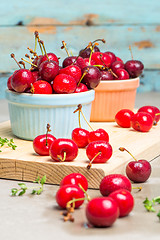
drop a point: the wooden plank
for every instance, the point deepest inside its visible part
(24, 164)
(79, 12)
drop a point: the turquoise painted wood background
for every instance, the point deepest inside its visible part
(120, 22)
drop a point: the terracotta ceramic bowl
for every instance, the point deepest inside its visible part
(30, 113)
(112, 96)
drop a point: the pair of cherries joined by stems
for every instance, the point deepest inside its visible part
(142, 121)
(97, 145)
(116, 200)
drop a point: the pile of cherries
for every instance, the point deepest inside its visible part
(115, 200)
(96, 142)
(142, 120)
(77, 73)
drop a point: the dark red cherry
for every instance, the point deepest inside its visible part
(48, 70)
(92, 77)
(86, 53)
(43, 58)
(112, 56)
(134, 68)
(116, 65)
(106, 75)
(79, 61)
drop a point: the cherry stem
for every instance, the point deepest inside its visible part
(79, 118)
(36, 39)
(31, 59)
(79, 108)
(85, 72)
(33, 52)
(157, 114)
(29, 62)
(13, 56)
(92, 49)
(110, 70)
(48, 130)
(130, 49)
(139, 188)
(21, 62)
(90, 164)
(124, 149)
(88, 197)
(60, 157)
(44, 49)
(64, 46)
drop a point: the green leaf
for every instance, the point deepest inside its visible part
(39, 191)
(23, 186)
(149, 205)
(43, 180)
(37, 180)
(22, 192)
(33, 191)
(14, 191)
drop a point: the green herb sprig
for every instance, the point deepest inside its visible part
(150, 205)
(23, 188)
(8, 142)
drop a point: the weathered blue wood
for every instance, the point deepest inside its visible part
(145, 42)
(78, 12)
(149, 82)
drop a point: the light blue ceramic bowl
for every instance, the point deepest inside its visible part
(30, 113)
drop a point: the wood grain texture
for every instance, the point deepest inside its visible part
(24, 164)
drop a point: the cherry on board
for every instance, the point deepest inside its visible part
(75, 179)
(142, 121)
(123, 118)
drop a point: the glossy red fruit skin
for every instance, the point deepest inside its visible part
(134, 68)
(41, 87)
(123, 118)
(72, 70)
(92, 62)
(81, 88)
(124, 200)
(102, 211)
(142, 122)
(101, 59)
(119, 59)
(68, 192)
(152, 110)
(39, 144)
(64, 84)
(106, 75)
(99, 134)
(95, 147)
(117, 65)
(122, 74)
(79, 61)
(138, 171)
(9, 83)
(75, 179)
(61, 145)
(86, 53)
(80, 137)
(112, 56)
(22, 80)
(113, 182)
(48, 70)
(43, 58)
(35, 75)
(92, 77)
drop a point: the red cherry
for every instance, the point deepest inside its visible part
(9, 86)
(124, 200)
(99, 151)
(22, 80)
(42, 143)
(64, 83)
(113, 182)
(122, 74)
(43, 58)
(119, 59)
(152, 110)
(48, 70)
(106, 75)
(81, 88)
(123, 118)
(72, 70)
(86, 53)
(35, 75)
(142, 122)
(92, 77)
(102, 211)
(41, 87)
(99, 134)
(63, 149)
(117, 65)
(112, 56)
(80, 137)
(79, 61)
(88, 62)
(137, 171)
(67, 193)
(134, 68)
(101, 59)
(75, 179)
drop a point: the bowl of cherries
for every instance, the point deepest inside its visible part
(48, 93)
(118, 85)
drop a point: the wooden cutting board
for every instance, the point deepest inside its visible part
(25, 165)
